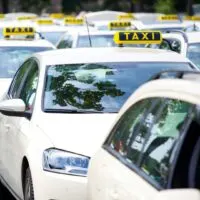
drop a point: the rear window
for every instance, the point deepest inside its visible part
(12, 57)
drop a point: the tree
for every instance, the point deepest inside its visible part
(5, 6)
(189, 7)
(165, 6)
(35, 6)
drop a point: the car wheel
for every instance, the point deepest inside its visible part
(28, 189)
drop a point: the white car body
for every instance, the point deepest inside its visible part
(23, 141)
(164, 26)
(111, 177)
(75, 35)
(103, 15)
(185, 40)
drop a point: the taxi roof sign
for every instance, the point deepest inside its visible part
(73, 21)
(2, 16)
(44, 21)
(128, 16)
(119, 24)
(168, 18)
(138, 37)
(57, 15)
(18, 31)
(192, 18)
(26, 18)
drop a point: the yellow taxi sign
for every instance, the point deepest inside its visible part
(14, 31)
(73, 21)
(168, 18)
(26, 18)
(2, 16)
(44, 21)
(57, 15)
(128, 16)
(119, 24)
(192, 18)
(138, 37)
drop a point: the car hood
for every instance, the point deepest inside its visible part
(78, 133)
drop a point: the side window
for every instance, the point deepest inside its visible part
(29, 87)
(18, 79)
(156, 158)
(168, 44)
(146, 136)
(133, 127)
(66, 42)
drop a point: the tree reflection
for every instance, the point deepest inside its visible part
(68, 89)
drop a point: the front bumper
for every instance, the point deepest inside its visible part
(54, 186)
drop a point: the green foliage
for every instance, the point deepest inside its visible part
(165, 6)
(34, 5)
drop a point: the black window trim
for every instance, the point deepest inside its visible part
(9, 96)
(34, 61)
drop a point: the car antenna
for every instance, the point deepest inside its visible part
(89, 37)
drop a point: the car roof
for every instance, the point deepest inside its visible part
(193, 37)
(185, 90)
(51, 28)
(16, 23)
(83, 32)
(124, 54)
(31, 43)
(103, 15)
(164, 25)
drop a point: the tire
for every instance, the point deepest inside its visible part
(28, 186)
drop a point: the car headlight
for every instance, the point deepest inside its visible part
(59, 161)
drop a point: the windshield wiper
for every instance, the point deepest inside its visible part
(49, 110)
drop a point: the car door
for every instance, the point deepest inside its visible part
(4, 129)
(16, 139)
(136, 159)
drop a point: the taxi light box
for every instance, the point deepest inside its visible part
(138, 37)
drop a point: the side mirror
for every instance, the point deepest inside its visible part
(13, 107)
(174, 194)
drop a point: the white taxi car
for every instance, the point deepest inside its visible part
(15, 48)
(166, 23)
(78, 39)
(52, 33)
(187, 44)
(153, 149)
(59, 108)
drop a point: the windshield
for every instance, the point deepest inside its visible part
(99, 87)
(167, 44)
(12, 57)
(193, 53)
(52, 37)
(99, 41)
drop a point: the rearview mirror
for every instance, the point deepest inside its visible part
(176, 194)
(13, 107)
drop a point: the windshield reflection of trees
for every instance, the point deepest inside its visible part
(66, 93)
